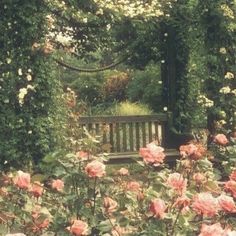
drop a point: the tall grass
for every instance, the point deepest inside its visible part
(129, 108)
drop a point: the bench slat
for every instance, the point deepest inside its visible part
(124, 137)
(131, 137)
(117, 130)
(137, 140)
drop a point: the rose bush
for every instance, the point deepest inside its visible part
(84, 196)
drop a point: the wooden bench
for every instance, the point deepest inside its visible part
(122, 136)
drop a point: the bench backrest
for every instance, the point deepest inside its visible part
(127, 133)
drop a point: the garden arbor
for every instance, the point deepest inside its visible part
(194, 41)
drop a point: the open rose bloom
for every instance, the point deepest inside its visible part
(193, 151)
(221, 139)
(205, 204)
(78, 228)
(58, 184)
(36, 189)
(157, 208)
(95, 169)
(22, 180)
(152, 154)
(177, 182)
(212, 230)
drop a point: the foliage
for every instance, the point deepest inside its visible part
(218, 26)
(30, 92)
(114, 88)
(146, 87)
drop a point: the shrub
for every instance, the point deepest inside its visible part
(114, 88)
(146, 87)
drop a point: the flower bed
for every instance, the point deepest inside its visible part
(75, 196)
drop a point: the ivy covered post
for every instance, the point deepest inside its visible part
(175, 54)
(29, 89)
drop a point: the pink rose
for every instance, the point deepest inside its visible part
(158, 208)
(212, 230)
(22, 180)
(82, 155)
(226, 203)
(205, 204)
(182, 202)
(133, 186)
(187, 150)
(199, 178)
(123, 171)
(193, 151)
(152, 154)
(58, 185)
(95, 169)
(177, 183)
(231, 187)
(109, 204)
(221, 139)
(78, 228)
(233, 175)
(36, 189)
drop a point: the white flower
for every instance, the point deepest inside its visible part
(225, 90)
(165, 109)
(233, 91)
(21, 95)
(108, 27)
(204, 101)
(222, 122)
(20, 72)
(8, 60)
(30, 87)
(222, 50)
(28, 77)
(229, 75)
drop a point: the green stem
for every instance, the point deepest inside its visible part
(176, 220)
(94, 195)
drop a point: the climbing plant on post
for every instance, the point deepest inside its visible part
(175, 54)
(218, 21)
(28, 84)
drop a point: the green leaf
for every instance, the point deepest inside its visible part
(3, 229)
(105, 226)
